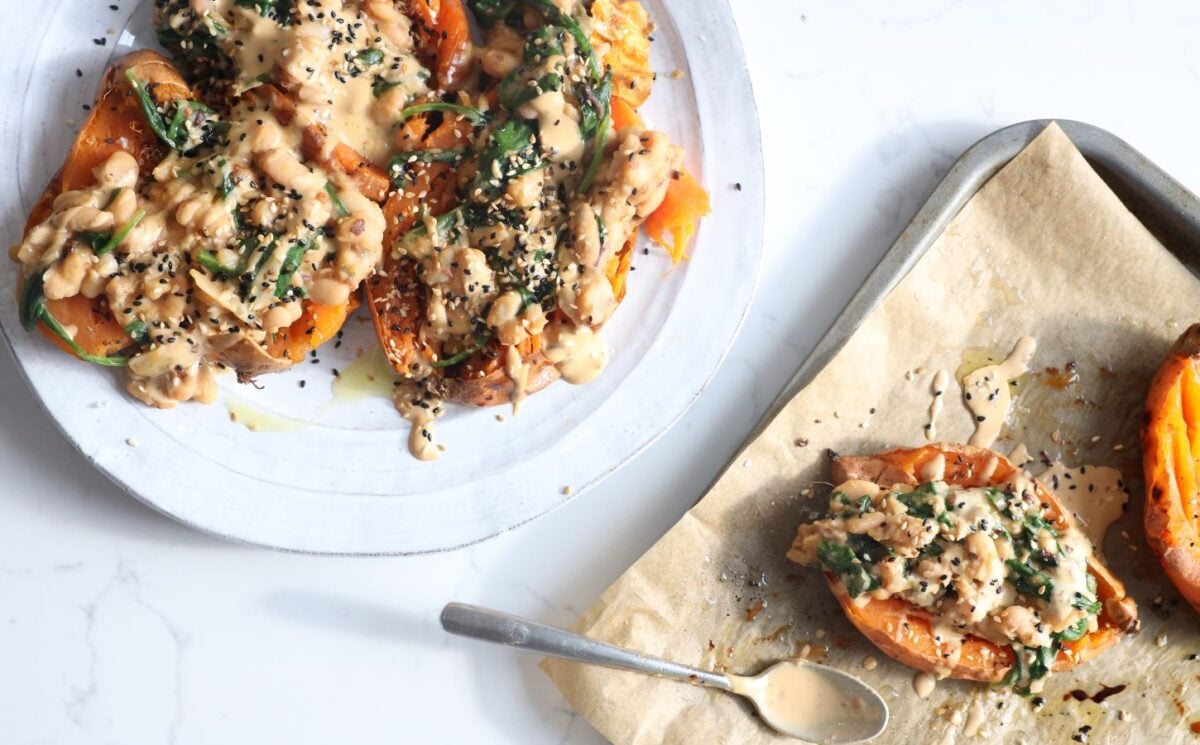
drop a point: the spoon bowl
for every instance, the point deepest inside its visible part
(814, 702)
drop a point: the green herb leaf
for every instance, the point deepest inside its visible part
(475, 116)
(138, 332)
(33, 301)
(251, 245)
(1028, 580)
(920, 502)
(511, 153)
(840, 504)
(226, 178)
(999, 501)
(291, 263)
(150, 110)
(32, 309)
(400, 164)
(381, 86)
(931, 550)
(93, 239)
(121, 235)
(1043, 661)
(209, 261)
(1091, 606)
(339, 207)
(597, 155)
(519, 89)
(369, 57)
(265, 8)
(867, 549)
(839, 559)
(463, 355)
(489, 12)
(593, 105)
(582, 43)
(1072, 633)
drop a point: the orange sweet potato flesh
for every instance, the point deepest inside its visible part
(624, 114)
(622, 29)
(367, 177)
(393, 295)
(674, 223)
(443, 34)
(115, 123)
(904, 632)
(317, 325)
(1170, 458)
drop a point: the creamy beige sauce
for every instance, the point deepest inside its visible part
(988, 396)
(318, 59)
(422, 410)
(1095, 495)
(799, 701)
(937, 388)
(923, 684)
(558, 128)
(934, 469)
(579, 354)
(1020, 456)
(518, 371)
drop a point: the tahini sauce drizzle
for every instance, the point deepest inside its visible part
(580, 354)
(923, 684)
(518, 371)
(934, 469)
(421, 412)
(1096, 495)
(941, 381)
(986, 392)
(1020, 456)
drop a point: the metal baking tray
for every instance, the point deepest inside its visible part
(1162, 204)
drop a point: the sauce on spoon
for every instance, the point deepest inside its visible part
(803, 700)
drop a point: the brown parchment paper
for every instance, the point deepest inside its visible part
(1044, 249)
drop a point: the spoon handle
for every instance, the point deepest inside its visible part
(513, 631)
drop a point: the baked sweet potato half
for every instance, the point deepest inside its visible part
(548, 173)
(1171, 454)
(116, 123)
(897, 495)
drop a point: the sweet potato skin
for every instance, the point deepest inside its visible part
(1170, 451)
(904, 633)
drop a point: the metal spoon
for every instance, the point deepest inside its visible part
(797, 698)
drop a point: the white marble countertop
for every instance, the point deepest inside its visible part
(117, 625)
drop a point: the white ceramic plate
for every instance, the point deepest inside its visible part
(332, 476)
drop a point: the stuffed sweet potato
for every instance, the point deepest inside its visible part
(953, 561)
(226, 224)
(1170, 452)
(518, 199)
